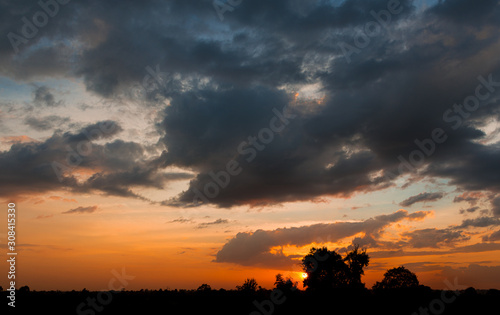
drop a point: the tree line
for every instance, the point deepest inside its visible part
(327, 270)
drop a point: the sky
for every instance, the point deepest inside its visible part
(189, 142)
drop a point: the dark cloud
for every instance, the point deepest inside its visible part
(115, 167)
(46, 123)
(480, 222)
(337, 148)
(255, 248)
(101, 130)
(434, 238)
(463, 11)
(476, 248)
(181, 220)
(422, 197)
(469, 210)
(495, 203)
(419, 215)
(79, 210)
(470, 197)
(208, 224)
(42, 96)
(223, 78)
(493, 237)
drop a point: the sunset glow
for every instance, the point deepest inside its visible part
(183, 146)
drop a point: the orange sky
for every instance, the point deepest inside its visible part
(292, 126)
(58, 251)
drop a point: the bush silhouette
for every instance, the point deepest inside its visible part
(397, 278)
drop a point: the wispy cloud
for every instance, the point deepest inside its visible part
(42, 96)
(483, 221)
(469, 210)
(44, 216)
(59, 198)
(208, 224)
(434, 238)
(471, 197)
(181, 220)
(81, 210)
(422, 197)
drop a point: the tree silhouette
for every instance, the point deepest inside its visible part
(397, 278)
(204, 287)
(327, 269)
(250, 285)
(24, 289)
(356, 260)
(285, 285)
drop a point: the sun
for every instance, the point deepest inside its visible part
(304, 275)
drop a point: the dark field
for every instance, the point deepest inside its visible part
(401, 302)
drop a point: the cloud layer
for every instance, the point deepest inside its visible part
(112, 168)
(402, 102)
(254, 248)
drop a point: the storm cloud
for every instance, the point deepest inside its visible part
(115, 166)
(369, 117)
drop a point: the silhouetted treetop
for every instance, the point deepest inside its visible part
(327, 269)
(24, 289)
(397, 278)
(204, 287)
(285, 284)
(250, 285)
(356, 260)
